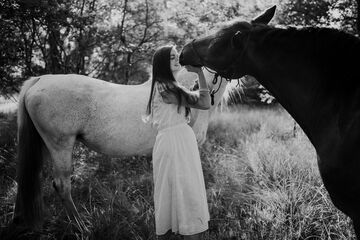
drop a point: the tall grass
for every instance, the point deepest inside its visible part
(265, 182)
(261, 178)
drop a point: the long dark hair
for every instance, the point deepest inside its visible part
(161, 72)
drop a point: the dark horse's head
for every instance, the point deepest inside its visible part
(223, 50)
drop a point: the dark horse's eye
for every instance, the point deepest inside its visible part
(237, 33)
(235, 38)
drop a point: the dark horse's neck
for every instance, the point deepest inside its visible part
(311, 74)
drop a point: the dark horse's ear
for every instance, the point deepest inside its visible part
(265, 17)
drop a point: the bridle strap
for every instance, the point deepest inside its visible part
(202, 62)
(216, 75)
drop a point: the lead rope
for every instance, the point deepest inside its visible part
(214, 81)
(213, 91)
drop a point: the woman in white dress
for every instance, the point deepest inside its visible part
(179, 190)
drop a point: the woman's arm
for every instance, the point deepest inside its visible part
(199, 99)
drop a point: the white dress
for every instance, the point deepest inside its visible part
(179, 190)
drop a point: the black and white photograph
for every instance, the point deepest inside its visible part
(179, 120)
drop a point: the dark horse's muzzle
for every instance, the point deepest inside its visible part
(189, 56)
(181, 59)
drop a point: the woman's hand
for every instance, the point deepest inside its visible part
(166, 94)
(193, 69)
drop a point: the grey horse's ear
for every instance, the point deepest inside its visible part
(235, 38)
(265, 17)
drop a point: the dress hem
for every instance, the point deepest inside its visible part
(199, 230)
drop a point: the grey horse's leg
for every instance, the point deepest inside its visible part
(62, 170)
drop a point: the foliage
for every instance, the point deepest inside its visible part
(115, 40)
(128, 34)
(36, 34)
(325, 13)
(85, 37)
(304, 13)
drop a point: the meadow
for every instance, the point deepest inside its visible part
(261, 178)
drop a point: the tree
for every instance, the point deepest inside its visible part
(186, 20)
(343, 16)
(35, 37)
(326, 13)
(129, 31)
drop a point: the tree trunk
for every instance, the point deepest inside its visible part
(28, 56)
(54, 54)
(80, 68)
(358, 17)
(28, 47)
(128, 67)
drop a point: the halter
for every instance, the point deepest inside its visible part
(216, 74)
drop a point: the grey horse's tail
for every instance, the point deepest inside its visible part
(29, 204)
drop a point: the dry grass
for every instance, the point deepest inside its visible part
(261, 178)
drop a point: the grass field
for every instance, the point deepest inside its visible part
(261, 178)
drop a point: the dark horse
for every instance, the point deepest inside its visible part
(311, 73)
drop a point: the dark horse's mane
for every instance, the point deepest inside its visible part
(330, 50)
(323, 38)
(319, 40)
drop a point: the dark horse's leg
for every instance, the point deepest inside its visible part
(344, 193)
